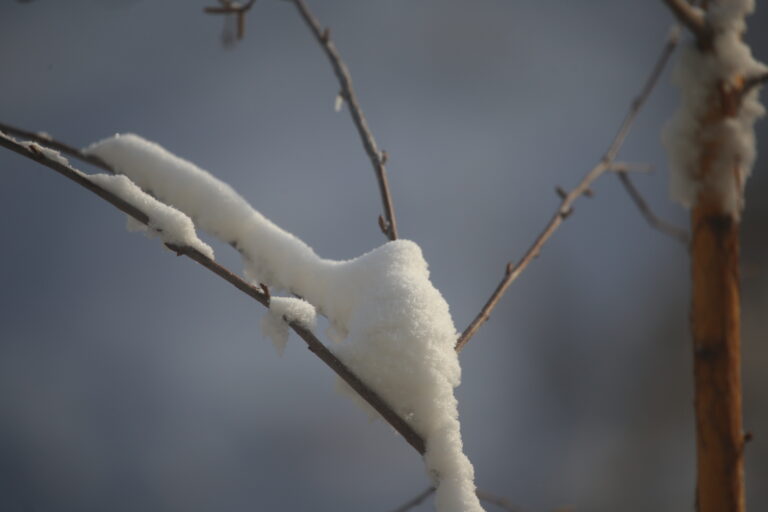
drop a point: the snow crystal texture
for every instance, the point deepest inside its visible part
(172, 226)
(393, 328)
(283, 311)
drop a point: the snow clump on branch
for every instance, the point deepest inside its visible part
(392, 327)
(710, 140)
(171, 225)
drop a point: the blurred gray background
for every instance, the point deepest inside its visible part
(132, 380)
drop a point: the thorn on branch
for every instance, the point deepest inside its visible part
(383, 157)
(326, 35)
(561, 193)
(589, 192)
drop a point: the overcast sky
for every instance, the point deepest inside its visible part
(132, 380)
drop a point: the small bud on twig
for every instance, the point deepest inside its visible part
(383, 225)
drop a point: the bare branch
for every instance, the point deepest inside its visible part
(314, 344)
(46, 140)
(347, 93)
(692, 18)
(679, 234)
(566, 204)
(499, 501)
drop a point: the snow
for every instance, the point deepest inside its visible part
(699, 74)
(172, 226)
(50, 153)
(391, 325)
(282, 311)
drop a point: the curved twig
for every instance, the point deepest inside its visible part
(314, 344)
(679, 234)
(566, 205)
(378, 158)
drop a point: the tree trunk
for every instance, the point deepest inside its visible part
(716, 348)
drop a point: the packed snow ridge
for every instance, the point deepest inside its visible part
(392, 327)
(701, 74)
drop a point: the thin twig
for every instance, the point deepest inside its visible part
(229, 7)
(314, 344)
(499, 501)
(679, 234)
(752, 82)
(46, 140)
(566, 205)
(377, 157)
(416, 500)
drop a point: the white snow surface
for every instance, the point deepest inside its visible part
(50, 153)
(392, 327)
(698, 74)
(171, 225)
(282, 311)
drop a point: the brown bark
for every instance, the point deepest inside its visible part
(715, 322)
(716, 349)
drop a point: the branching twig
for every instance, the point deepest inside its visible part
(566, 204)
(314, 344)
(665, 227)
(46, 140)
(230, 7)
(378, 158)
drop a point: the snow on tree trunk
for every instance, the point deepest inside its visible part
(711, 146)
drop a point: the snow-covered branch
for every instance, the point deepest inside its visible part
(392, 326)
(692, 17)
(49, 159)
